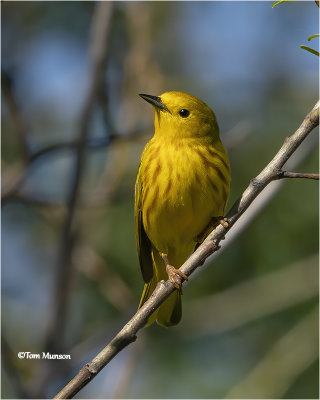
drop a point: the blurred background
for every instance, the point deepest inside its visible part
(73, 128)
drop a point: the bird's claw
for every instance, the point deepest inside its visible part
(176, 276)
(224, 222)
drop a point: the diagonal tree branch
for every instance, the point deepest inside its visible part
(128, 333)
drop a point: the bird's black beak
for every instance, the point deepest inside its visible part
(154, 100)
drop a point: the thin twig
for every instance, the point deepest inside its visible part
(268, 194)
(92, 143)
(128, 333)
(288, 174)
(13, 190)
(16, 115)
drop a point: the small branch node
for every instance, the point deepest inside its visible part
(286, 139)
(280, 174)
(214, 244)
(90, 369)
(161, 284)
(256, 183)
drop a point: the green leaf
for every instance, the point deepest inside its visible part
(310, 50)
(312, 37)
(280, 2)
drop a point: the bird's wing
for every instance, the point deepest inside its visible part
(144, 246)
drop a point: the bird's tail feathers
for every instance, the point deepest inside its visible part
(170, 311)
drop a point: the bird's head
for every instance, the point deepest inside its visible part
(179, 114)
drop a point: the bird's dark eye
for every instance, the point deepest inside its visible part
(184, 113)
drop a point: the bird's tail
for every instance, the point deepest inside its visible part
(170, 311)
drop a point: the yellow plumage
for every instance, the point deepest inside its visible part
(182, 184)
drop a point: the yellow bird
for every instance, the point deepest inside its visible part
(181, 192)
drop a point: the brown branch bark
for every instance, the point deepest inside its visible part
(128, 333)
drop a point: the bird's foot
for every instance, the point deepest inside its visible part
(175, 275)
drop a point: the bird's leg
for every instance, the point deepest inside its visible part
(174, 274)
(214, 222)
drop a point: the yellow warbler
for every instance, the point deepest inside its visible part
(182, 188)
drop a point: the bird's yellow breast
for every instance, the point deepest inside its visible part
(185, 183)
